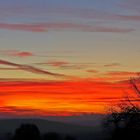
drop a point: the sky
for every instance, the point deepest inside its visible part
(67, 57)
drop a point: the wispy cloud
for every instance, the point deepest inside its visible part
(101, 14)
(16, 53)
(123, 73)
(24, 54)
(120, 17)
(127, 17)
(130, 5)
(113, 76)
(92, 71)
(63, 26)
(9, 68)
(66, 65)
(116, 76)
(23, 27)
(18, 111)
(57, 63)
(30, 68)
(112, 65)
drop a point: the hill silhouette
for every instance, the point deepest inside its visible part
(45, 126)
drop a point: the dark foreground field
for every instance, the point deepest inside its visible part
(48, 128)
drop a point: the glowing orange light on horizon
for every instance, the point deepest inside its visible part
(59, 98)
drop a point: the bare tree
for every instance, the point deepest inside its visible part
(125, 117)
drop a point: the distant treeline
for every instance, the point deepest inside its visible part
(31, 132)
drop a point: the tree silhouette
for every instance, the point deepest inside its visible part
(68, 137)
(27, 132)
(52, 136)
(125, 118)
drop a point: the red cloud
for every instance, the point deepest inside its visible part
(62, 26)
(23, 54)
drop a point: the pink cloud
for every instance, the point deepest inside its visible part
(24, 27)
(128, 17)
(131, 5)
(108, 16)
(57, 63)
(16, 53)
(96, 14)
(108, 29)
(23, 54)
(69, 12)
(86, 28)
(66, 65)
(75, 66)
(63, 26)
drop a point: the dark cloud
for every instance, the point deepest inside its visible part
(30, 69)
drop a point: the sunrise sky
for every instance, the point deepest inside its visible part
(67, 57)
